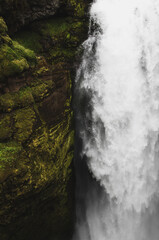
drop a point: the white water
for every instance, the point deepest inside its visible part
(121, 129)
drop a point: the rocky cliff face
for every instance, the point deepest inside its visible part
(37, 66)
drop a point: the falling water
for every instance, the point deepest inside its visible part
(118, 96)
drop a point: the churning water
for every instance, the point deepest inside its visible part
(118, 96)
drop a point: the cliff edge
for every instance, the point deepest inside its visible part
(39, 42)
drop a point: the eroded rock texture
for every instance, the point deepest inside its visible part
(18, 13)
(37, 67)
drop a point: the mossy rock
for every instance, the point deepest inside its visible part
(6, 129)
(24, 122)
(11, 68)
(3, 26)
(55, 37)
(29, 39)
(11, 101)
(55, 26)
(77, 8)
(26, 53)
(36, 151)
(15, 59)
(4, 38)
(42, 91)
(62, 54)
(9, 153)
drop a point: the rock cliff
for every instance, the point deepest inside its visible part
(39, 41)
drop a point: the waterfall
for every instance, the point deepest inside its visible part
(117, 93)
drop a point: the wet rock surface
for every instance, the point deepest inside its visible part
(37, 67)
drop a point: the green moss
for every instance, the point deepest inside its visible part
(10, 62)
(55, 26)
(26, 53)
(78, 7)
(41, 91)
(24, 97)
(6, 40)
(61, 31)
(63, 140)
(24, 122)
(80, 10)
(6, 102)
(30, 40)
(15, 59)
(3, 26)
(40, 153)
(8, 153)
(11, 101)
(6, 129)
(42, 70)
(68, 162)
(16, 66)
(78, 25)
(52, 149)
(61, 53)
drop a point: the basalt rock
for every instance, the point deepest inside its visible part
(37, 66)
(18, 13)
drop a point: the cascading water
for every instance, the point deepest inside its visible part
(118, 96)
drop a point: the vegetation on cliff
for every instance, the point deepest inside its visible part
(14, 58)
(36, 120)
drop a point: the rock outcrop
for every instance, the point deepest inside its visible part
(18, 13)
(37, 67)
